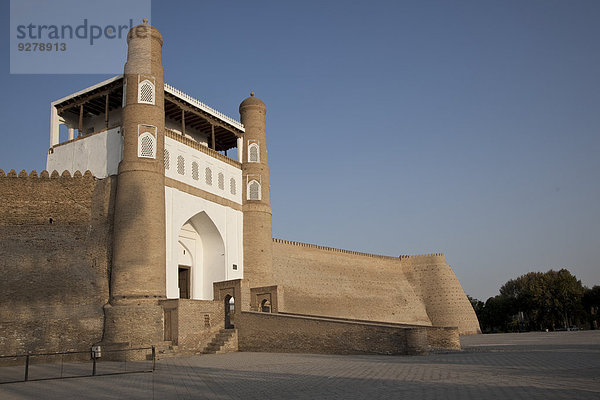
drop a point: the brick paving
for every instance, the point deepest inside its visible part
(563, 365)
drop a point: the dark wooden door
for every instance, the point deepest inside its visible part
(184, 283)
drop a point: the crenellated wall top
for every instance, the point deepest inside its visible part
(356, 253)
(45, 174)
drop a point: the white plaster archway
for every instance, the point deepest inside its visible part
(186, 255)
(212, 235)
(204, 254)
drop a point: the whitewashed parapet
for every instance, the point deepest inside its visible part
(191, 165)
(100, 152)
(186, 97)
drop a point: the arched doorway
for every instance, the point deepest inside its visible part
(200, 259)
(265, 306)
(186, 263)
(229, 311)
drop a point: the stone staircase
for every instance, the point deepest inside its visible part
(166, 349)
(225, 341)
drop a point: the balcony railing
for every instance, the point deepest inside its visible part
(203, 106)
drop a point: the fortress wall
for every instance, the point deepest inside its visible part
(443, 338)
(436, 284)
(55, 275)
(330, 282)
(295, 334)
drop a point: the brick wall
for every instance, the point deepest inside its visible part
(294, 334)
(195, 322)
(55, 241)
(436, 284)
(320, 281)
(409, 289)
(443, 338)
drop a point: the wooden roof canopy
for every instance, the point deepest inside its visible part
(95, 102)
(225, 134)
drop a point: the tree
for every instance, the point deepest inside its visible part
(591, 305)
(494, 315)
(545, 300)
(498, 314)
(563, 299)
(477, 305)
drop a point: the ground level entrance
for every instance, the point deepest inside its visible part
(184, 282)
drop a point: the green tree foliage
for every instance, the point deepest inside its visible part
(591, 305)
(538, 301)
(498, 312)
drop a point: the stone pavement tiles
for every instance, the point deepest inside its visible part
(560, 365)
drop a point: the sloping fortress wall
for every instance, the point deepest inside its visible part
(55, 257)
(421, 290)
(440, 291)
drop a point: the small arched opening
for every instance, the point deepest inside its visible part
(229, 311)
(254, 192)
(265, 306)
(253, 153)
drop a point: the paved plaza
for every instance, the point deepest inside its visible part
(561, 365)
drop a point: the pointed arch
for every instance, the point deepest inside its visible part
(146, 145)
(254, 190)
(186, 255)
(253, 153)
(204, 255)
(146, 92)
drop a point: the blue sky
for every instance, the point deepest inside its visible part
(470, 128)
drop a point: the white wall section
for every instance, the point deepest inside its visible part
(99, 153)
(190, 155)
(212, 233)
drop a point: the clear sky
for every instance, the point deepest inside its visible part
(470, 128)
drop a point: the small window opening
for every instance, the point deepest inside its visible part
(146, 146)
(146, 92)
(208, 176)
(265, 306)
(195, 174)
(180, 165)
(253, 153)
(253, 190)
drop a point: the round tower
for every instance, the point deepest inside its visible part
(256, 195)
(134, 315)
